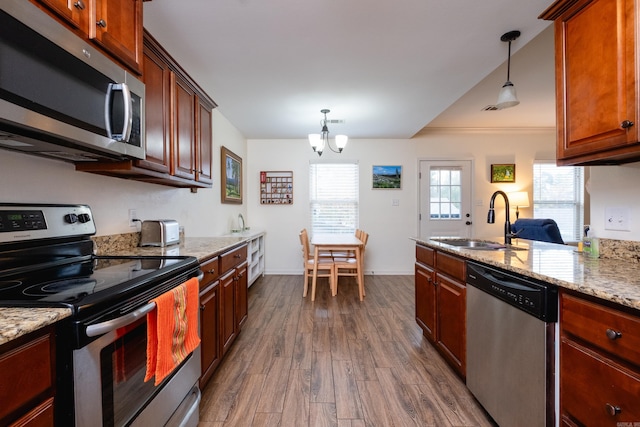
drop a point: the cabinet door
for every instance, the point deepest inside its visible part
(242, 306)
(117, 27)
(228, 328)
(73, 12)
(209, 331)
(204, 171)
(184, 117)
(451, 321)
(426, 301)
(157, 81)
(596, 96)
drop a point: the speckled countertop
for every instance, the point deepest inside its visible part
(16, 322)
(614, 277)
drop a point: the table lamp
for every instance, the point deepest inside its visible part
(519, 199)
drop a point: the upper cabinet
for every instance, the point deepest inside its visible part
(178, 127)
(114, 25)
(596, 81)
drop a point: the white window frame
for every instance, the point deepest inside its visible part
(569, 213)
(334, 197)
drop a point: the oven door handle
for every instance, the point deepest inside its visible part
(112, 325)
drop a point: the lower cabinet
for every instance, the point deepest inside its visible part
(223, 306)
(599, 363)
(27, 379)
(441, 303)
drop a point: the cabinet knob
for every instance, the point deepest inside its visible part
(626, 124)
(79, 4)
(202, 307)
(613, 335)
(212, 271)
(102, 23)
(613, 410)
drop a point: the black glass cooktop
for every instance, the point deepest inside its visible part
(98, 280)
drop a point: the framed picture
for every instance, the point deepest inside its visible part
(231, 182)
(387, 177)
(503, 173)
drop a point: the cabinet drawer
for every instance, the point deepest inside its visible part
(211, 271)
(590, 387)
(452, 266)
(26, 374)
(425, 255)
(232, 258)
(599, 326)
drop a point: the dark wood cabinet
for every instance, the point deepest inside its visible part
(116, 25)
(599, 362)
(441, 303)
(223, 306)
(178, 128)
(596, 100)
(113, 25)
(27, 380)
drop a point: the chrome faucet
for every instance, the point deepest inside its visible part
(491, 217)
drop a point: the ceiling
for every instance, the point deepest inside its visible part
(387, 68)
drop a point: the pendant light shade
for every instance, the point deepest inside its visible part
(319, 141)
(507, 96)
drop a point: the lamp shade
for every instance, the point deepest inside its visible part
(507, 96)
(519, 199)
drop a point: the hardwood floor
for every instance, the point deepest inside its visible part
(335, 362)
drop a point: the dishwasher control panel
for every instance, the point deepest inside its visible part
(536, 298)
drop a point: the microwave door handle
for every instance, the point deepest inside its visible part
(112, 325)
(128, 111)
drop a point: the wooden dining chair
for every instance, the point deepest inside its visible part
(348, 266)
(325, 267)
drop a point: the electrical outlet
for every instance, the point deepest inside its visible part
(132, 215)
(616, 218)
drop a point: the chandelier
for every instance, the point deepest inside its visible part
(320, 140)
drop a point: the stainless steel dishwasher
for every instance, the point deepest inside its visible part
(510, 346)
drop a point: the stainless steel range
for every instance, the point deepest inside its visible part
(47, 260)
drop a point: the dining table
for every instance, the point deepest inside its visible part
(325, 242)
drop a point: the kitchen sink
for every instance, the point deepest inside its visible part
(482, 245)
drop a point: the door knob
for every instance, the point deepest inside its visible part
(468, 223)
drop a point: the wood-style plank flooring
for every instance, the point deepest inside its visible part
(335, 362)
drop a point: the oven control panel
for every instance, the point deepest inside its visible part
(22, 222)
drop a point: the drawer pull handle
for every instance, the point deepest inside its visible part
(211, 271)
(626, 124)
(613, 410)
(613, 335)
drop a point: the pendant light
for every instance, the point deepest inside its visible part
(507, 96)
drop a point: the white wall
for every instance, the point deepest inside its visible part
(25, 178)
(389, 250)
(615, 186)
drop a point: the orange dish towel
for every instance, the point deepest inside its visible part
(172, 330)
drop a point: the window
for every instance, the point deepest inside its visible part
(558, 193)
(445, 188)
(333, 194)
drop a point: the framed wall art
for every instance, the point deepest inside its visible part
(276, 188)
(231, 180)
(387, 177)
(503, 173)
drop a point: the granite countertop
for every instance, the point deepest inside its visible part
(616, 280)
(202, 248)
(16, 322)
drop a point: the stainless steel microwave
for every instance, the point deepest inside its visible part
(59, 96)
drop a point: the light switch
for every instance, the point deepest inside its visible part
(617, 218)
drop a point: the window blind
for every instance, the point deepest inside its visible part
(558, 193)
(334, 197)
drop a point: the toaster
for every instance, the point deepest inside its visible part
(161, 232)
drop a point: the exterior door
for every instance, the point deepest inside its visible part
(445, 198)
